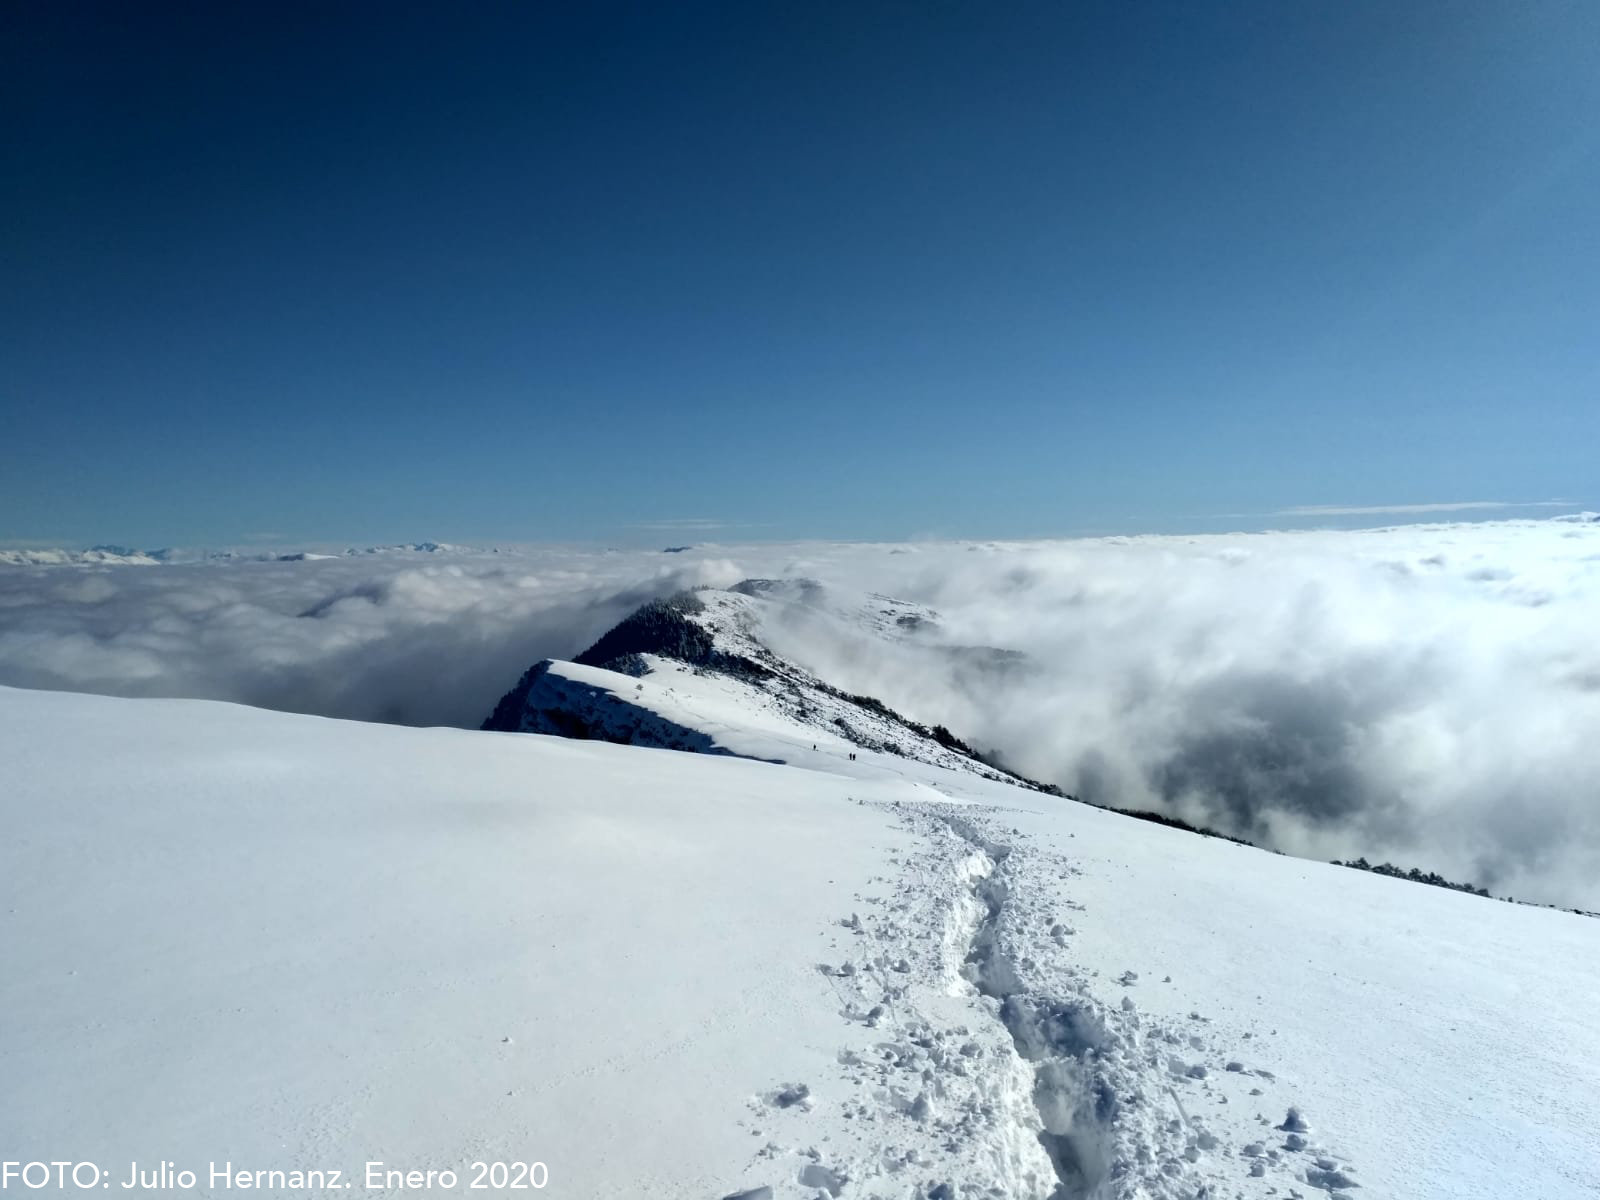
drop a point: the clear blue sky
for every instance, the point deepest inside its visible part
(842, 270)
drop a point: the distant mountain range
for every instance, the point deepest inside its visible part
(125, 556)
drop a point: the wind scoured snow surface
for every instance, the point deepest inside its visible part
(288, 941)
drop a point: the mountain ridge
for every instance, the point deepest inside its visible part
(707, 635)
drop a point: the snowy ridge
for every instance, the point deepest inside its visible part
(567, 700)
(98, 556)
(692, 672)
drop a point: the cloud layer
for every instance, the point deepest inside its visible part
(1429, 694)
(414, 640)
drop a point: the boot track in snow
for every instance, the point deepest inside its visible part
(1061, 1040)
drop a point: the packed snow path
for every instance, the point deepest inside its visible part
(986, 1065)
(280, 941)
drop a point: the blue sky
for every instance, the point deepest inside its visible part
(862, 271)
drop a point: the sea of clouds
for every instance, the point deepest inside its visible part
(409, 639)
(1425, 694)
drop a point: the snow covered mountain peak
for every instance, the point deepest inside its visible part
(693, 671)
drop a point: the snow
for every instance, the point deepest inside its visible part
(279, 940)
(785, 714)
(1442, 1043)
(115, 556)
(285, 941)
(52, 557)
(676, 706)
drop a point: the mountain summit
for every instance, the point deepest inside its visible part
(694, 672)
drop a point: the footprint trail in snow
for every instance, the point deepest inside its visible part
(980, 1061)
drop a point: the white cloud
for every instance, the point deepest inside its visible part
(1428, 694)
(404, 639)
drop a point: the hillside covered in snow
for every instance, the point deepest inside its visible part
(692, 672)
(288, 942)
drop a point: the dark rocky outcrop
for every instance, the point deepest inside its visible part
(507, 714)
(666, 628)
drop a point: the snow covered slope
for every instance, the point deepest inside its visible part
(285, 942)
(693, 672)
